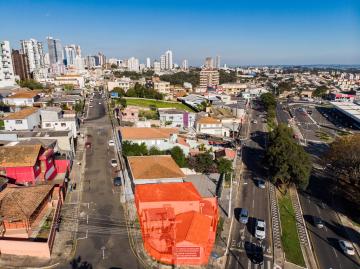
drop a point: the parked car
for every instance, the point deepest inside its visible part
(318, 222)
(117, 181)
(244, 216)
(113, 162)
(260, 229)
(111, 143)
(261, 183)
(347, 247)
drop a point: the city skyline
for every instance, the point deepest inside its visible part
(241, 33)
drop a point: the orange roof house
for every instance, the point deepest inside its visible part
(144, 133)
(154, 169)
(178, 226)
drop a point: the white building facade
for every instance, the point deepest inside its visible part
(7, 76)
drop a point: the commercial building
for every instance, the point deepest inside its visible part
(185, 65)
(209, 63)
(178, 226)
(168, 60)
(21, 64)
(76, 80)
(148, 63)
(7, 76)
(209, 78)
(217, 62)
(350, 109)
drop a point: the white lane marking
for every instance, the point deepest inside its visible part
(318, 210)
(249, 265)
(268, 264)
(335, 252)
(253, 203)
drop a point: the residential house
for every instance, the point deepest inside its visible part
(130, 113)
(177, 118)
(162, 87)
(178, 226)
(25, 119)
(232, 88)
(53, 118)
(22, 98)
(70, 79)
(211, 126)
(124, 83)
(23, 212)
(154, 169)
(65, 144)
(162, 138)
(27, 164)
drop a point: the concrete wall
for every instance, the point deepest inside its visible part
(22, 247)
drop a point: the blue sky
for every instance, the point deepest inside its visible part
(241, 32)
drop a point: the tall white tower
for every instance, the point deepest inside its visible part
(168, 60)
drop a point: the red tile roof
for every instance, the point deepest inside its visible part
(167, 192)
(18, 156)
(144, 133)
(154, 167)
(193, 227)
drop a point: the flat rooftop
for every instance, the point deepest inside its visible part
(349, 108)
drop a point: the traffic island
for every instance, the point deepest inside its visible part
(289, 237)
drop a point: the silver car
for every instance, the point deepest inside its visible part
(244, 216)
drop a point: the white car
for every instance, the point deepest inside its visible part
(90, 105)
(111, 143)
(113, 162)
(260, 229)
(347, 247)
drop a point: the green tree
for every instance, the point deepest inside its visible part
(31, 84)
(79, 106)
(203, 163)
(68, 87)
(119, 90)
(320, 91)
(178, 155)
(134, 149)
(155, 151)
(179, 78)
(227, 76)
(113, 66)
(287, 161)
(225, 168)
(268, 100)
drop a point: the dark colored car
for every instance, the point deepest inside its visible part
(117, 181)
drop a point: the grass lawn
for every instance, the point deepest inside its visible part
(159, 104)
(289, 237)
(2, 125)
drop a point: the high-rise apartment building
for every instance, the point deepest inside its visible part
(168, 60)
(157, 67)
(209, 78)
(209, 63)
(162, 62)
(217, 62)
(133, 64)
(20, 64)
(148, 62)
(102, 59)
(7, 77)
(185, 65)
(34, 53)
(70, 54)
(55, 51)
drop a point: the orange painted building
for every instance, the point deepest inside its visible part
(177, 224)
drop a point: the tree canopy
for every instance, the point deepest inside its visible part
(287, 161)
(179, 78)
(320, 91)
(178, 155)
(143, 92)
(227, 76)
(31, 84)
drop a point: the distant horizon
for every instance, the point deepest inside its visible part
(279, 32)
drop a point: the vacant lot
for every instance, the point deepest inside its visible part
(289, 237)
(159, 104)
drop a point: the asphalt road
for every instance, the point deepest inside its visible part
(102, 236)
(316, 201)
(254, 199)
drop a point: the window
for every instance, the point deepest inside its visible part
(18, 121)
(63, 124)
(47, 125)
